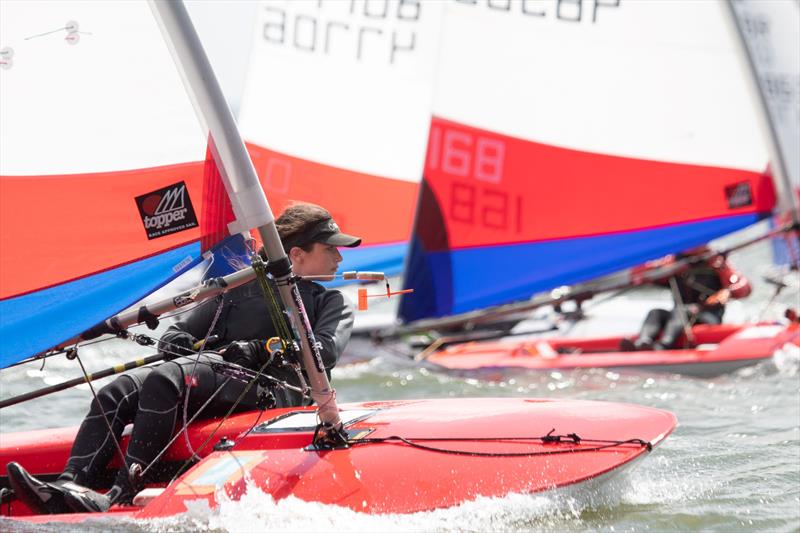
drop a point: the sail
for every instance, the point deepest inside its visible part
(107, 185)
(560, 151)
(770, 31)
(336, 111)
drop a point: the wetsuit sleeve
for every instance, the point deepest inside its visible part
(738, 285)
(195, 322)
(333, 325)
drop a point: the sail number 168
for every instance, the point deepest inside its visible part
(479, 199)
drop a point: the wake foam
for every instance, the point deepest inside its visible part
(553, 510)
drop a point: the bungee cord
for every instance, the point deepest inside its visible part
(571, 438)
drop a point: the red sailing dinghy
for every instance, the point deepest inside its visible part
(388, 457)
(529, 187)
(719, 349)
(404, 457)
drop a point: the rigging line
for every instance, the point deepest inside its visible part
(178, 434)
(273, 307)
(54, 353)
(222, 421)
(549, 438)
(244, 375)
(46, 33)
(246, 433)
(194, 369)
(682, 311)
(280, 326)
(413, 444)
(102, 410)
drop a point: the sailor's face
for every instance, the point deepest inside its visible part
(322, 259)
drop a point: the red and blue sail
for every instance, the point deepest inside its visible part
(558, 152)
(107, 189)
(490, 230)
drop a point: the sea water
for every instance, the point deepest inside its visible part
(733, 462)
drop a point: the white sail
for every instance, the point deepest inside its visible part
(64, 114)
(657, 80)
(770, 30)
(574, 139)
(336, 109)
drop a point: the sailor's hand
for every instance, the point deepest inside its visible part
(176, 344)
(720, 297)
(251, 354)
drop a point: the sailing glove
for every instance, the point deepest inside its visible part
(176, 344)
(250, 354)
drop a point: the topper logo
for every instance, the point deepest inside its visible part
(739, 195)
(166, 210)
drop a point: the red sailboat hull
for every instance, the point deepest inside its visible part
(445, 459)
(718, 349)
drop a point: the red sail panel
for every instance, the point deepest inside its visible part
(217, 212)
(84, 223)
(379, 210)
(495, 189)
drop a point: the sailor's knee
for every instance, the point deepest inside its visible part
(163, 382)
(114, 393)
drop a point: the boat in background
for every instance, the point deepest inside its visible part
(374, 457)
(543, 186)
(716, 350)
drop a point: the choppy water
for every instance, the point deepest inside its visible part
(733, 463)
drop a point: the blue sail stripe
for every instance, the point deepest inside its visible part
(457, 281)
(37, 321)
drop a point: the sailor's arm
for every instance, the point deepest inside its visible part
(734, 284)
(180, 337)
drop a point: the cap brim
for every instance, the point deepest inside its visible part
(342, 239)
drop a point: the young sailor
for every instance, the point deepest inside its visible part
(153, 398)
(704, 288)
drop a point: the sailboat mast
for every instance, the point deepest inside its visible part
(241, 182)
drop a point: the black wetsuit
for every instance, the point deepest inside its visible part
(695, 285)
(153, 397)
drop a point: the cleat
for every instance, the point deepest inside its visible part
(40, 497)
